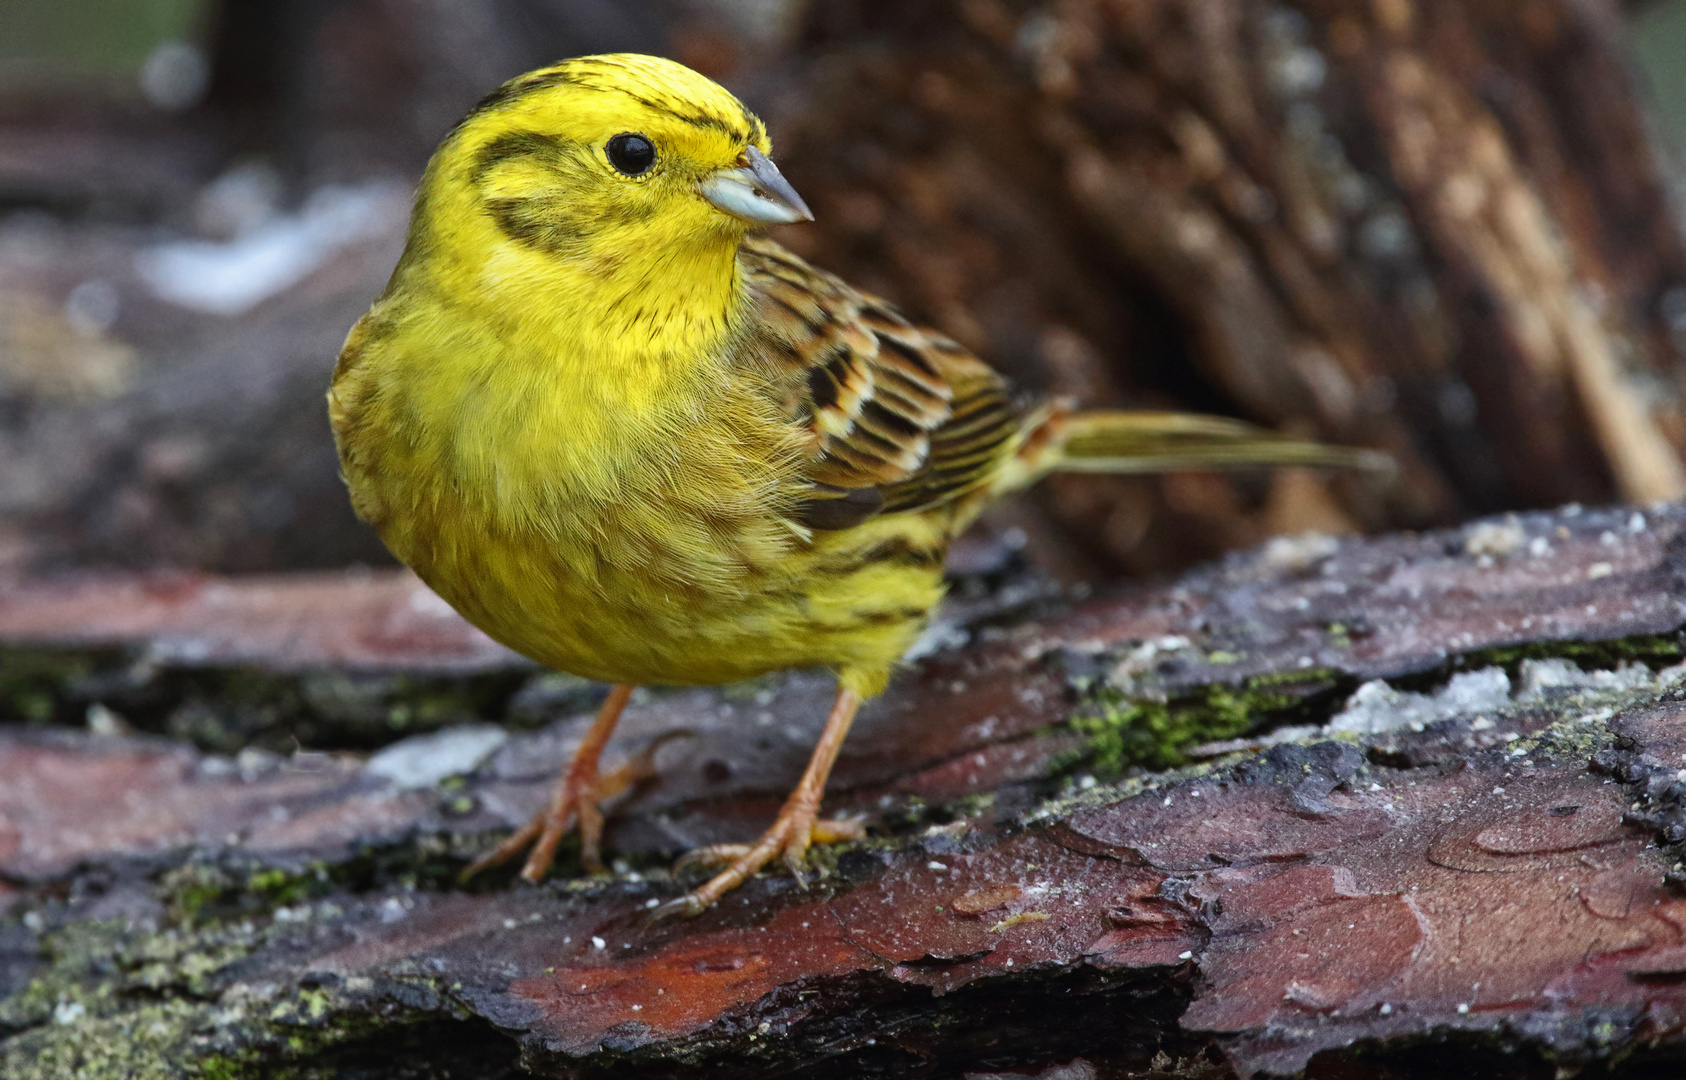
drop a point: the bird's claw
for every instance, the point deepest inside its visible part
(709, 855)
(789, 839)
(685, 905)
(583, 794)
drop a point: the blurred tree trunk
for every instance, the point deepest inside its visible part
(1436, 226)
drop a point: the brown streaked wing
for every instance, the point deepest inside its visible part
(902, 418)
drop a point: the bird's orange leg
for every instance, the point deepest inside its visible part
(578, 791)
(793, 830)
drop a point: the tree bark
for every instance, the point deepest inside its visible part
(1433, 226)
(1430, 225)
(1395, 807)
(1363, 808)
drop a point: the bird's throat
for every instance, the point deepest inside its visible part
(595, 366)
(623, 329)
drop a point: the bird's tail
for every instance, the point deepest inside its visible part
(1116, 441)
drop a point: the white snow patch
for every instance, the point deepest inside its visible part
(66, 1013)
(1538, 676)
(1496, 538)
(230, 277)
(1376, 707)
(424, 760)
(1299, 552)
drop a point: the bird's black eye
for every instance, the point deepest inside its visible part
(631, 154)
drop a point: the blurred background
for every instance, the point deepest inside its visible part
(1448, 228)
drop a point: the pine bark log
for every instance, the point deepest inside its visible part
(1433, 226)
(1390, 808)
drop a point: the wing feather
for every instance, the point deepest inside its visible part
(901, 418)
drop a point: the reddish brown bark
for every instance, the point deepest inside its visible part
(1494, 875)
(1432, 226)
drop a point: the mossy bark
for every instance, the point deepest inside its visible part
(1307, 809)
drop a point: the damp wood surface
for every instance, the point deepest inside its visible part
(1358, 807)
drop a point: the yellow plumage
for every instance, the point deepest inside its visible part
(633, 442)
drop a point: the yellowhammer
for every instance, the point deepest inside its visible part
(627, 439)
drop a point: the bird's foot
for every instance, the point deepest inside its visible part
(578, 799)
(794, 831)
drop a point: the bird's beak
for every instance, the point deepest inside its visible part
(756, 192)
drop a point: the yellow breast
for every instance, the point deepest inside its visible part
(642, 545)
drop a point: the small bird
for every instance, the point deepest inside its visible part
(632, 440)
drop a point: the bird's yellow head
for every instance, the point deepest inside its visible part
(603, 162)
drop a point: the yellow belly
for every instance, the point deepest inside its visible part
(617, 541)
(853, 601)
